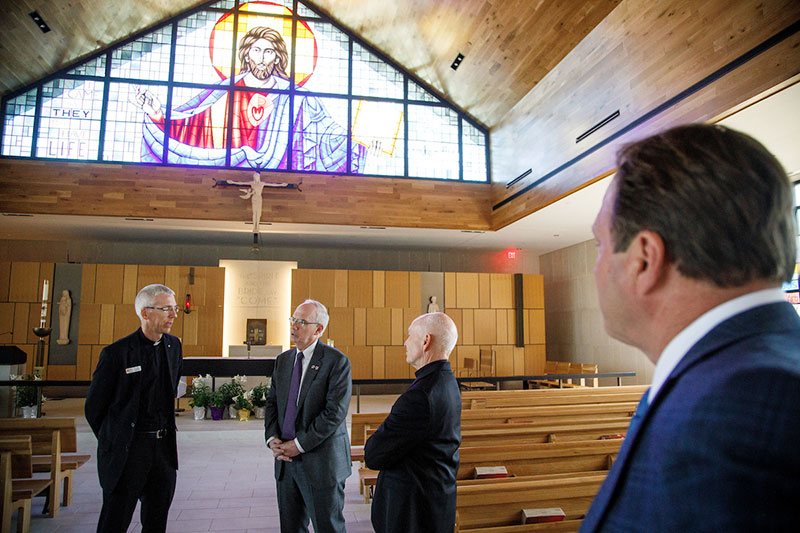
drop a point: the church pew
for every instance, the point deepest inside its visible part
(476, 418)
(540, 397)
(62, 464)
(481, 506)
(17, 488)
(528, 435)
(565, 526)
(501, 504)
(537, 459)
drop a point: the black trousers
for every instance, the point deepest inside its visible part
(149, 477)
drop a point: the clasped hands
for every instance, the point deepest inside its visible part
(284, 451)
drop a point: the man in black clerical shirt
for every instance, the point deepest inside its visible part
(129, 407)
(416, 447)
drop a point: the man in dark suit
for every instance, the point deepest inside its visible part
(305, 426)
(416, 447)
(130, 409)
(695, 235)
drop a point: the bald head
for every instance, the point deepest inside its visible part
(431, 337)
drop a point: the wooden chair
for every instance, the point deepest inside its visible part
(18, 489)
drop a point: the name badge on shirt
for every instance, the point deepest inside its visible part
(133, 369)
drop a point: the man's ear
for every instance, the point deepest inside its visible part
(426, 342)
(648, 260)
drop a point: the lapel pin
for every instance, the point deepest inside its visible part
(315, 367)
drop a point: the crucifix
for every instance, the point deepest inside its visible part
(253, 192)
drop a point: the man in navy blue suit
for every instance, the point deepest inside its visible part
(695, 235)
(416, 447)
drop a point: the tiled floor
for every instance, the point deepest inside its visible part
(225, 481)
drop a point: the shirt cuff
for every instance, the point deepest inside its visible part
(297, 443)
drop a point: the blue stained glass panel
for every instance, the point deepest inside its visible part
(95, 67)
(18, 125)
(146, 58)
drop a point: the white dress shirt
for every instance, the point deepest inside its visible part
(680, 345)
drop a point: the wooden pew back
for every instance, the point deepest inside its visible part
(539, 459)
(542, 434)
(41, 431)
(501, 504)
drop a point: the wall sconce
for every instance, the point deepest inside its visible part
(187, 306)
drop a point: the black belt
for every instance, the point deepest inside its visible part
(157, 434)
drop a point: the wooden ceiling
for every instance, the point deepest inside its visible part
(509, 46)
(536, 72)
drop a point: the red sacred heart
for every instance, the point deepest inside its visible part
(257, 113)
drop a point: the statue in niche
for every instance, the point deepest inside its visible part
(64, 315)
(433, 307)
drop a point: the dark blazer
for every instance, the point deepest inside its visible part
(112, 404)
(323, 401)
(416, 451)
(718, 449)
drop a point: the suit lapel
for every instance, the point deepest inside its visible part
(767, 318)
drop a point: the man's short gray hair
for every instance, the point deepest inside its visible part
(321, 315)
(147, 296)
(442, 330)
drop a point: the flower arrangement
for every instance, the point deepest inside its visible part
(259, 394)
(233, 389)
(25, 395)
(244, 401)
(200, 395)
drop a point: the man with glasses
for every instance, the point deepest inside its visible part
(305, 426)
(130, 410)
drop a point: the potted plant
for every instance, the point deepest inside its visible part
(25, 396)
(217, 404)
(230, 391)
(242, 404)
(200, 396)
(259, 398)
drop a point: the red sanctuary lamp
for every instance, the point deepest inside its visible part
(187, 306)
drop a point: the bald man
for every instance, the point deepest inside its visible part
(416, 447)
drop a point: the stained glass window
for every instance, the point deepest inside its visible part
(18, 125)
(330, 64)
(70, 124)
(259, 84)
(378, 128)
(145, 58)
(432, 142)
(123, 133)
(374, 77)
(95, 67)
(204, 48)
(473, 143)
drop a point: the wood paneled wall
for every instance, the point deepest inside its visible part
(164, 192)
(370, 311)
(107, 308)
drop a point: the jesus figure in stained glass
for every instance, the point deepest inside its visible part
(261, 120)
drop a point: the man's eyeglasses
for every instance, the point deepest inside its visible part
(302, 322)
(167, 308)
